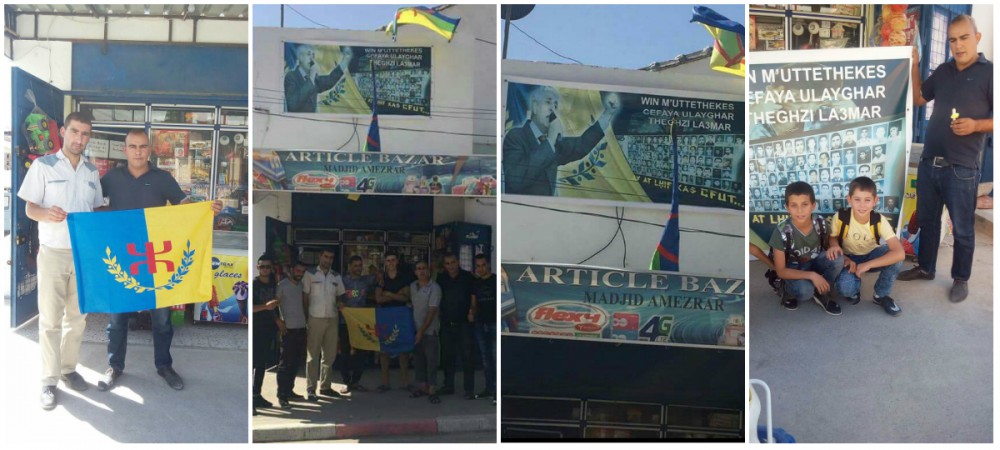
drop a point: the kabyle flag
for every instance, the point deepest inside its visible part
(389, 330)
(728, 54)
(373, 143)
(667, 253)
(141, 259)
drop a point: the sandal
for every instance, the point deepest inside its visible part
(417, 394)
(435, 399)
(383, 388)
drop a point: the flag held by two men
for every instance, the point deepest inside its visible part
(141, 259)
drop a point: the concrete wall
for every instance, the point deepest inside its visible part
(463, 77)
(984, 21)
(534, 234)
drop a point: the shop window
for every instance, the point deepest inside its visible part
(812, 33)
(772, 7)
(187, 156)
(839, 10)
(117, 113)
(189, 115)
(231, 180)
(767, 33)
(234, 117)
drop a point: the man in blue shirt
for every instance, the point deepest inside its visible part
(949, 172)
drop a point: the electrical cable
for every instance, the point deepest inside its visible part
(543, 45)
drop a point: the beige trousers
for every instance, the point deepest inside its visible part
(321, 339)
(60, 324)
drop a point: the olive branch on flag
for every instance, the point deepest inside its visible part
(130, 283)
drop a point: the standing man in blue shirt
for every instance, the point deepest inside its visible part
(949, 171)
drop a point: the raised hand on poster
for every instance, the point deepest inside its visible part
(346, 54)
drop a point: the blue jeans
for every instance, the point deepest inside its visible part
(163, 333)
(803, 290)
(486, 338)
(954, 187)
(849, 284)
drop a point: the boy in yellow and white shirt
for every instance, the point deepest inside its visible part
(854, 235)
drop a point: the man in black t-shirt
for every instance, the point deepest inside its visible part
(486, 323)
(949, 169)
(265, 326)
(457, 314)
(393, 290)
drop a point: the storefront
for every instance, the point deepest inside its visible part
(330, 209)
(609, 354)
(190, 97)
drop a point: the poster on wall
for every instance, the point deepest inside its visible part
(576, 302)
(615, 146)
(374, 173)
(229, 291)
(337, 79)
(826, 117)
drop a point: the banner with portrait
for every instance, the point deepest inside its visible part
(556, 301)
(616, 146)
(337, 79)
(826, 117)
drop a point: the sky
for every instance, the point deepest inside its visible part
(621, 36)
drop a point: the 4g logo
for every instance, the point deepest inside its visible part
(367, 185)
(657, 329)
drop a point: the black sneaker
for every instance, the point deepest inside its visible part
(855, 299)
(888, 304)
(831, 307)
(283, 403)
(329, 393)
(790, 303)
(293, 396)
(311, 396)
(74, 381)
(959, 291)
(109, 379)
(172, 378)
(260, 402)
(48, 397)
(916, 273)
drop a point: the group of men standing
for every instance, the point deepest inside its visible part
(67, 182)
(305, 310)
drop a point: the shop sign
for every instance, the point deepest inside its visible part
(660, 308)
(374, 173)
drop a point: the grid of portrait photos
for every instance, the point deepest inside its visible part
(705, 160)
(828, 162)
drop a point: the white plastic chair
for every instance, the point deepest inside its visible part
(767, 409)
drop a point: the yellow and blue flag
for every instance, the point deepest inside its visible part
(389, 330)
(425, 17)
(140, 259)
(729, 55)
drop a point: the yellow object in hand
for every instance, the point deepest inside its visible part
(954, 114)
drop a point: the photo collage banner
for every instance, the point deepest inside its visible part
(826, 124)
(627, 156)
(337, 79)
